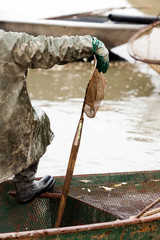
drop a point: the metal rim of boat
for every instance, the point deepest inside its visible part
(76, 229)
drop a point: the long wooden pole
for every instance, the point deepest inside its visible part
(72, 161)
(70, 169)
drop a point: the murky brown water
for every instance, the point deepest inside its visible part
(124, 135)
(69, 81)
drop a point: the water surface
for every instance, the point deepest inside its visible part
(124, 135)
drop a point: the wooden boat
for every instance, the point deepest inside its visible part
(110, 32)
(99, 206)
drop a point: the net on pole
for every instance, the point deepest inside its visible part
(144, 45)
(95, 93)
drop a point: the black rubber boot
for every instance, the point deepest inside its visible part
(27, 188)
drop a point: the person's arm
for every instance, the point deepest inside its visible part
(44, 52)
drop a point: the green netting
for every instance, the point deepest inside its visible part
(103, 197)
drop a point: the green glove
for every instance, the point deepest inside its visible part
(102, 55)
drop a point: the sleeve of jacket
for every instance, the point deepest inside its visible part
(45, 52)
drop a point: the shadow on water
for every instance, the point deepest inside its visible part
(124, 135)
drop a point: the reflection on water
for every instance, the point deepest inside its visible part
(124, 135)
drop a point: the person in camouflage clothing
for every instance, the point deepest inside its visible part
(24, 132)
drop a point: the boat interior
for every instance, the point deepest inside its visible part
(92, 199)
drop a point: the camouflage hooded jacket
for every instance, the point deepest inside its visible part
(24, 134)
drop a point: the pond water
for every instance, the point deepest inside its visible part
(124, 135)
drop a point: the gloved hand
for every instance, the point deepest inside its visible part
(102, 55)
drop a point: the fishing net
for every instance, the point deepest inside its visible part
(145, 45)
(93, 198)
(95, 92)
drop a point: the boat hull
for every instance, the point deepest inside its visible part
(110, 33)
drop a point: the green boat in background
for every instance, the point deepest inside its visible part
(99, 206)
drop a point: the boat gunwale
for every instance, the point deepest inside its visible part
(76, 229)
(112, 173)
(103, 174)
(78, 24)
